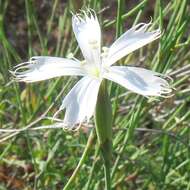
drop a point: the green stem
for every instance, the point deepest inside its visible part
(107, 176)
(106, 152)
(86, 151)
(103, 120)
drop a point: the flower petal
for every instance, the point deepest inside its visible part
(131, 40)
(139, 80)
(44, 67)
(80, 102)
(88, 34)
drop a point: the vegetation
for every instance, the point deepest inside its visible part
(151, 137)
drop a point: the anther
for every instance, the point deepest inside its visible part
(83, 62)
(70, 56)
(105, 52)
(92, 41)
(105, 49)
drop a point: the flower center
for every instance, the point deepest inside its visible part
(95, 68)
(95, 71)
(91, 69)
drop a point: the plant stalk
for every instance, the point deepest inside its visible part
(103, 120)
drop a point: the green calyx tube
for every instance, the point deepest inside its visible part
(103, 121)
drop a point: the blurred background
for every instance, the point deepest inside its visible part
(151, 137)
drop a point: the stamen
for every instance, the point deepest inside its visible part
(95, 46)
(83, 62)
(71, 56)
(92, 41)
(105, 49)
(105, 52)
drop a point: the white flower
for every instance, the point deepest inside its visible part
(80, 102)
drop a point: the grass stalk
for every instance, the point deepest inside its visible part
(81, 162)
